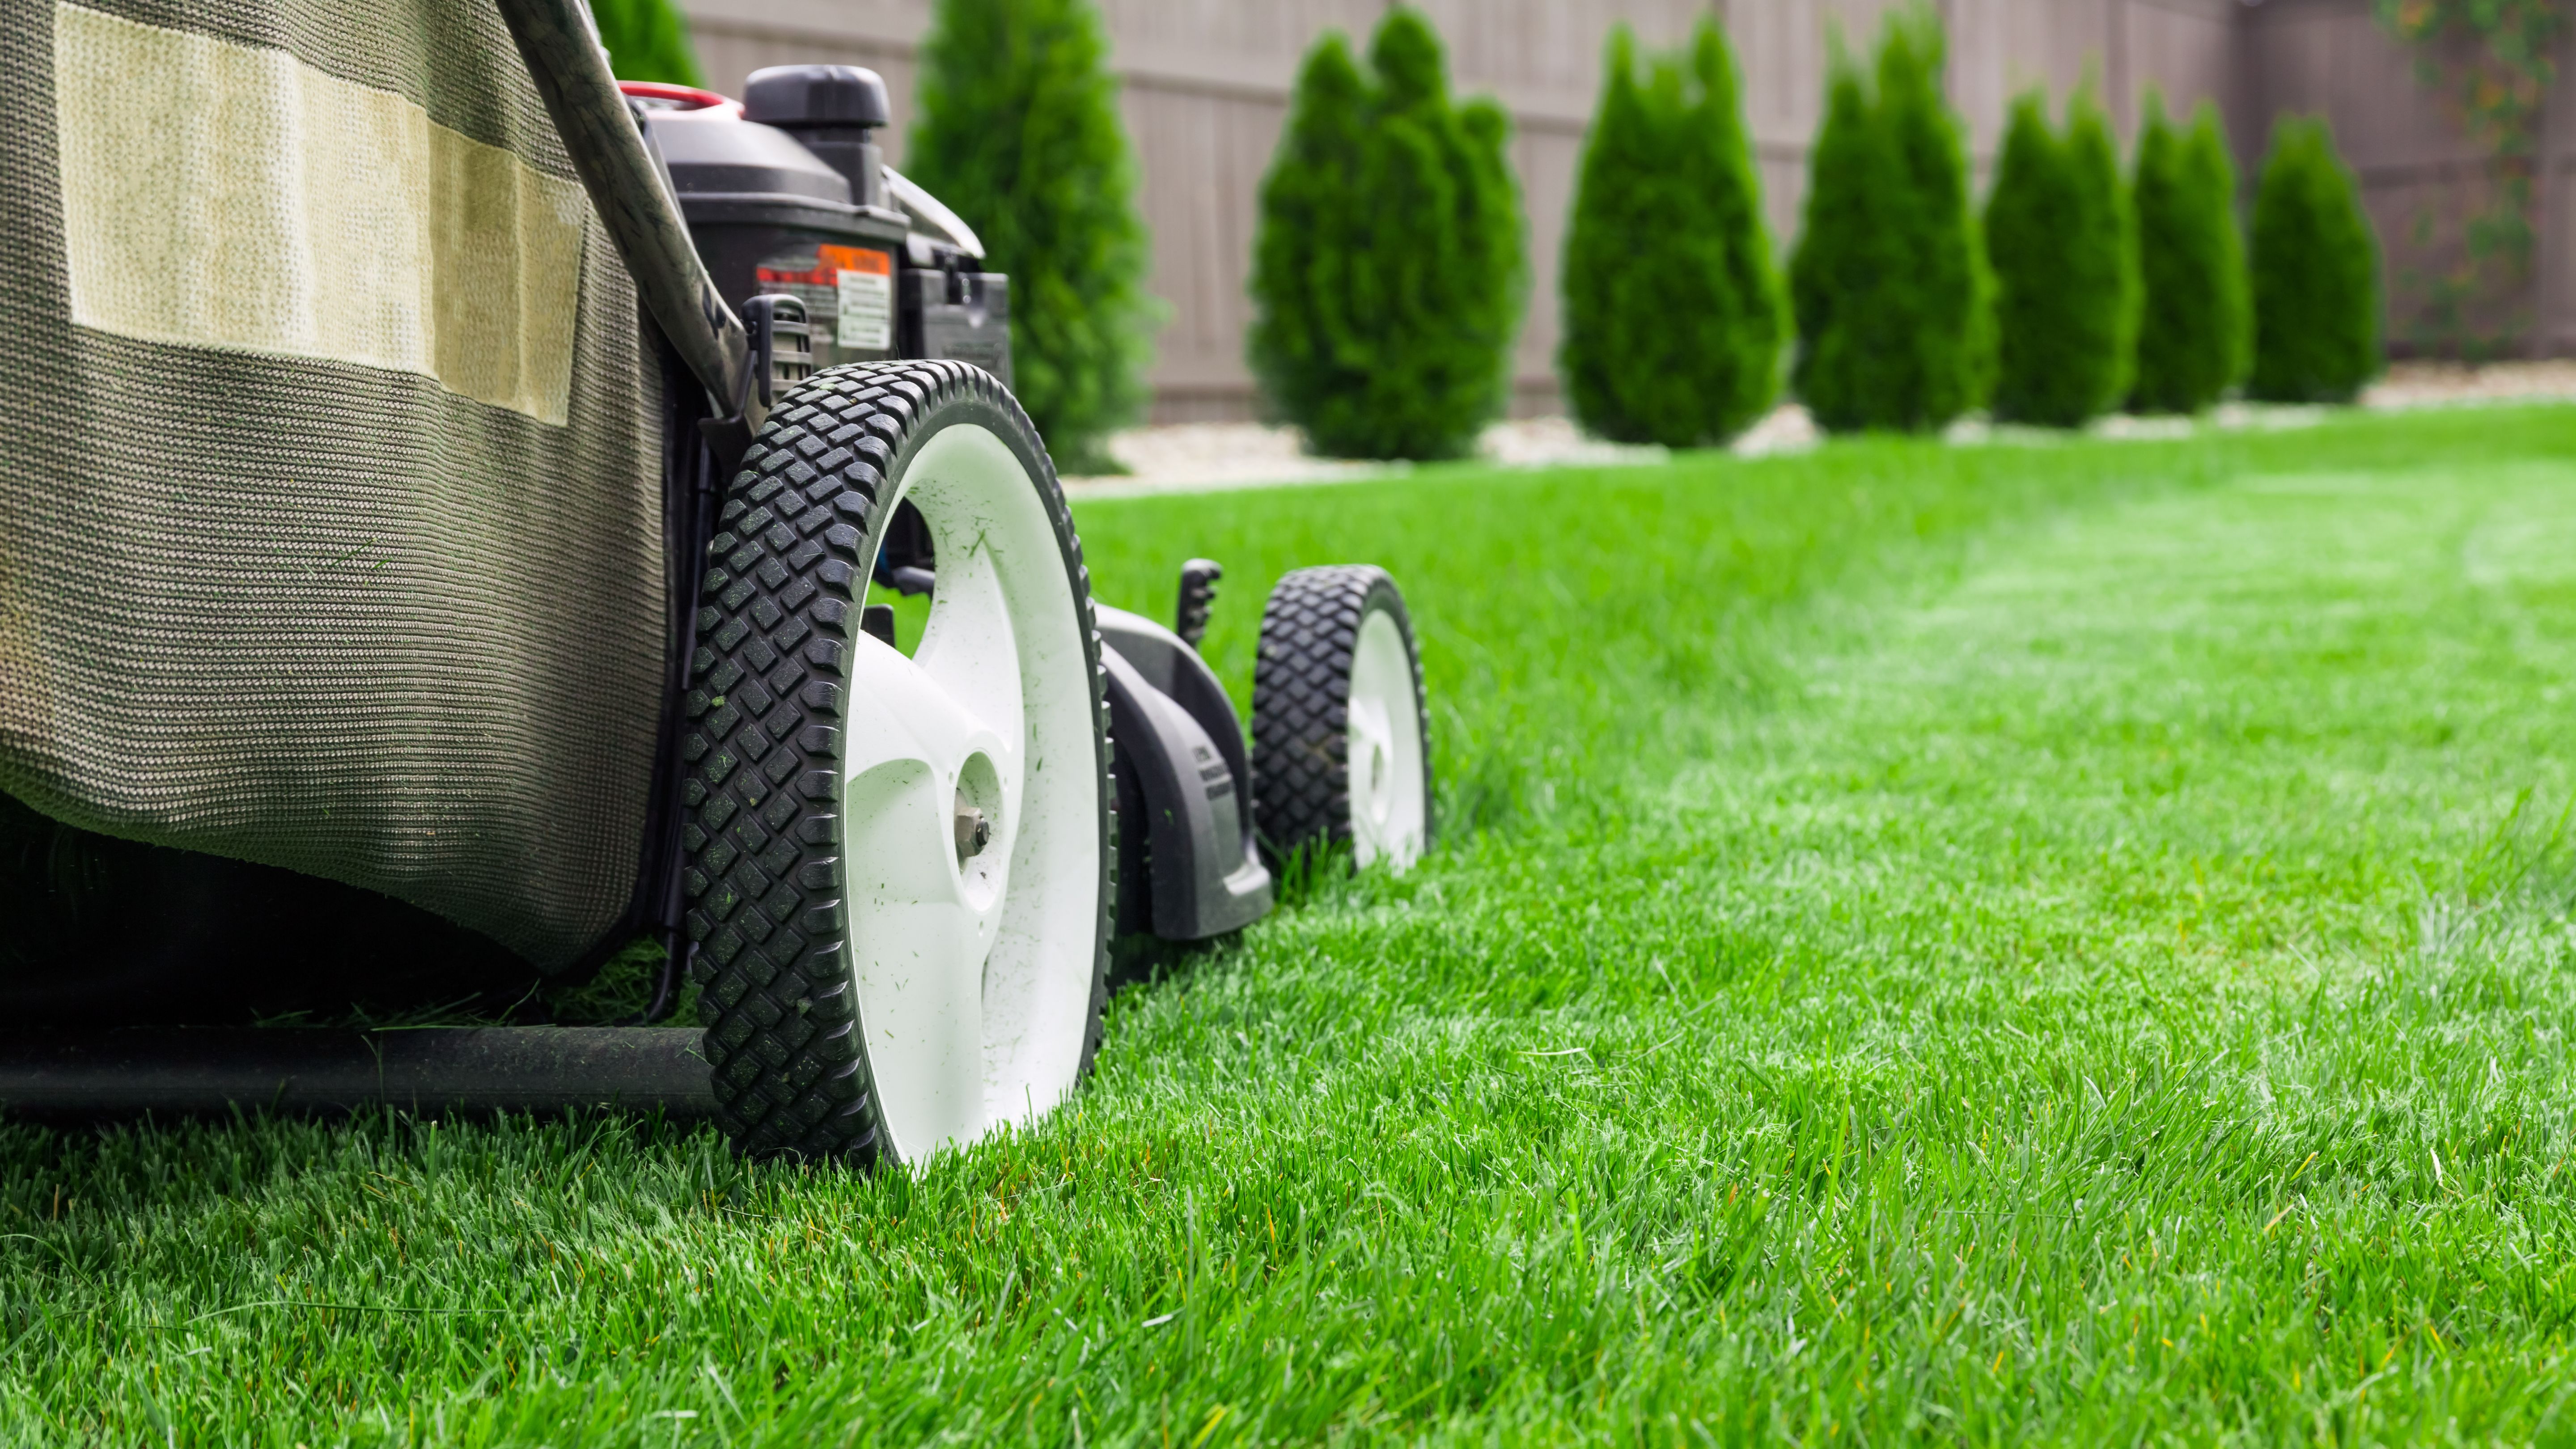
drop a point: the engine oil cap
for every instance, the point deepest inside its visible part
(816, 95)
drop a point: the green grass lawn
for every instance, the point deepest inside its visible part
(2062, 943)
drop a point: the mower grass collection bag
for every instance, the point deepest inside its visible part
(332, 523)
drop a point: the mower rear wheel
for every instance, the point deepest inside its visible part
(900, 868)
(1339, 732)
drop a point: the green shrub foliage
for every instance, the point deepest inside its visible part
(2193, 322)
(1387, 272)
(1672, 314)
(2316, 273)
(1887, 283)
(2057, 236)
(646, 41)
(1019, 133)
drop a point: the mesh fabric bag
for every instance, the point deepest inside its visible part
(331, 501)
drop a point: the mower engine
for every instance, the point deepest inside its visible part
(785, 191)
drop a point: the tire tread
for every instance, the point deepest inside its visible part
(786, 577)
(1301, 683)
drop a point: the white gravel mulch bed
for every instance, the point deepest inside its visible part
(1193, 457)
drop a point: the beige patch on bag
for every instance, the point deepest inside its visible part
(232, 196)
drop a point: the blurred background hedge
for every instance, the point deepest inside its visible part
(2058, 237)
(1387, 274)
(2315, 273)
(1888, 284)
(2194, 336)
(1673, 316)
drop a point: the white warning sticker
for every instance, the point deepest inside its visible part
(866, 300)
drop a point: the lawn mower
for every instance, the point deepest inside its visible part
(454, 510)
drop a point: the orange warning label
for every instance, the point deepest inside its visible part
(857, 259)
(829, 263)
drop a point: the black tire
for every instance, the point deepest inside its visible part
(781, 602)
(1301, 684)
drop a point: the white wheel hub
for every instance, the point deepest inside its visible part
(1385, 748)
(973, 962)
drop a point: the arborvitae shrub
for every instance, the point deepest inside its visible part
(1672, 314)
(2112, 257)
(1019, 133)
(2192, 325)
(2316, 273)
(1846, 353)
(2209, 166)
(1953, 293)
(1387, 274)
(1887, 284)
(2057, 236)
(646, 41)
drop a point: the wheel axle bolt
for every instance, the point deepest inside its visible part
(974, 832)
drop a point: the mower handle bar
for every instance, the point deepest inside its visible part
(564, 58)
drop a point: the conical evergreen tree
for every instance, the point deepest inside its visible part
(1387, 272)
(2057, 236)
(2209, 166)
(2316, 273)
(2110, 215)
(646, 41)
(1019, 133)
(1847, 355)
(1887, 282)
(1616, 371)
(2191, 264)
(2025, 232)
(1950, 297)
(1672, 315)
(1302, 253)
(1724, 150)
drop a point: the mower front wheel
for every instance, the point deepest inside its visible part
(900, 867)
(1339, 734)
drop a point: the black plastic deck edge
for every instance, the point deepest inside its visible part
(440, 1071)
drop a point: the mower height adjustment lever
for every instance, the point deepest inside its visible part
(1198, 595)
(782, 347)
(781, 354)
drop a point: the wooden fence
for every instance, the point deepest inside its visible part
(1206, 87)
